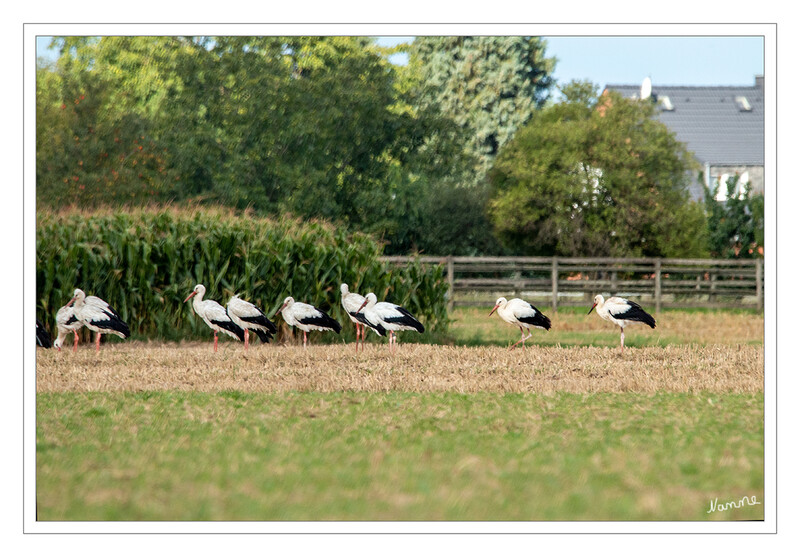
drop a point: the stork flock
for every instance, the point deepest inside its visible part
(239, 317)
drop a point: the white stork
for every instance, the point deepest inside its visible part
(42, 336)
(214, 315)
(352, 302)
(307, 318)
(249, 316)
(521, 314)
(389, 316)
(621, 312)
(98, 316)
(67, 322)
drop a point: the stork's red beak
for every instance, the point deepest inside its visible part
(362, 306)
(70, 301)
(280, 310)
(494, 308)
(590, 309)
(190, 295)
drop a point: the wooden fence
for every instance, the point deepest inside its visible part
(571, 281)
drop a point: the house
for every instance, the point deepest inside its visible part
(722, 126)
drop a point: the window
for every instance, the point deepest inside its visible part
(743, 104)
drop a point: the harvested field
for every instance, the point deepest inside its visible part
(565, 429)
(413, 368)
(573, 327)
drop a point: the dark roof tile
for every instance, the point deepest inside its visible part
(709, 121)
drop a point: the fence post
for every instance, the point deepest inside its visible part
(451, 282)
(759, 290)
(712, 296)
(657, 293)
(554, 285)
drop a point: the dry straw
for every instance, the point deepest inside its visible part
(415, 368)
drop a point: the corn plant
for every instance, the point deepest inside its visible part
(144, 262)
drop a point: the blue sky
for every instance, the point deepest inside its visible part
(665, 60)
(628, 60)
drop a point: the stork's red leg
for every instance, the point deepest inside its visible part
(75, 345)
(305, 339)
(215, 341)
(521, 337)
(246, 338)
(97, 343)
(621, 340)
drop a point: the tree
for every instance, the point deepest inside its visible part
(306, 125)
(95, 144)
(736, 225)
(596, 176)
(488, 86)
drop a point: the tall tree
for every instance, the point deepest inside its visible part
(596, 176)
(96, 137)
(489, 86)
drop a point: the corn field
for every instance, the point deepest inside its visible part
(144, 262)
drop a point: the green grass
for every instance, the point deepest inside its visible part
(397, 456)
(574, 327)
(506, 335)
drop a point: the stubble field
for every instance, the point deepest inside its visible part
(565, 430)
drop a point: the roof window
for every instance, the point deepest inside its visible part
(665, 103)
(743, 105)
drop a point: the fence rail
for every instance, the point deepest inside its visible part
(570, 281)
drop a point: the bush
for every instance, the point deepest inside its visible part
(146, 261)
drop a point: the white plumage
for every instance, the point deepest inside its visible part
(389, 317)
(521, 314)
(307, 318)
(370, 317)
(621, 312)
(67, 322)
(248, 316)
(97, 315)
(214, 315)
(352, 302)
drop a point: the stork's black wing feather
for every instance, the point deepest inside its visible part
(359, 317)
(537, 320)
(113, 322)
(42, 336)
(377, 327)
(322, 320)
(230, 326)
(406, 319)
(636, 313)
(265, 336)
(262, 320)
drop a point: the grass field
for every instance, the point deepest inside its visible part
(567, 430)
(573, 327)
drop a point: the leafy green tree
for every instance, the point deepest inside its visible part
(736, 225)
(299, 124)
(488, 86)
(97, 141)
(596, 176)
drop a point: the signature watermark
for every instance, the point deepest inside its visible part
(715, 506)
